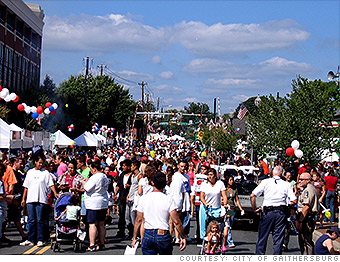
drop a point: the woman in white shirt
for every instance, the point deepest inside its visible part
(37, 183)
(211, 192)
(96, 203)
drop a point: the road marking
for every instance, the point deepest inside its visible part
(43, 250)
(30, 251)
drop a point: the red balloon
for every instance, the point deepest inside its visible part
(21, 107)
(290, 151)
(40, 110)
(53, 112)
(48, 104)
(0, 88)
(16, 99)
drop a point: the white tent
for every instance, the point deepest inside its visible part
(62, 140)
(5, 136)
(14, 127)
(176, 137)
(101, 138)
(86, 139)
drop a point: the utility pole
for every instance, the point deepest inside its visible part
(101, 68)
(87, 64)
(215, 110)
(142, 84)
(157, 104)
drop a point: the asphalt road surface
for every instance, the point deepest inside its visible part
(244, 236)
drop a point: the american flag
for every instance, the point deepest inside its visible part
(242, 113)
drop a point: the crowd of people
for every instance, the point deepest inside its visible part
(156, 189)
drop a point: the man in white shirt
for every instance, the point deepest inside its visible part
(276, 193)
(155, 209)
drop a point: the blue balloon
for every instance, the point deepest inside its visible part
(51, 108)
(35, 115)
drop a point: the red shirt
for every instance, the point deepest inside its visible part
(331, 182)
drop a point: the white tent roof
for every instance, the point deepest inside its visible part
(5, 136)
(14, 127)
(176, 137)
(62, 140)
(101, 138)
(86, 139)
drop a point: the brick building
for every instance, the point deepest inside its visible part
(21, 26)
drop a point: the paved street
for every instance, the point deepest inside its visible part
(245, 241)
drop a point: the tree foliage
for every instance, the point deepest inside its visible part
(96, 100)
(305, 115)
(221, 138)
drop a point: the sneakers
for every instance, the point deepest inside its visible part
(224, 249)
(207, 252)
(26, 243)
(177, 241)
(232, 245)
(40, 244)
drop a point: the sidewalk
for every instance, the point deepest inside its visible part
(319, 232)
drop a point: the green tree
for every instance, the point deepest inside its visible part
(97, 100)
(305, 115)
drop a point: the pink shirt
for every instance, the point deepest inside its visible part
(192, 177)
(62, 168)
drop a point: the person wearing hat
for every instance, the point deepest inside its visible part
(324, 245)
(154, 209)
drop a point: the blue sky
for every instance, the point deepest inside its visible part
(193, 51)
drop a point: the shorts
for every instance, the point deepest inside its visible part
(13, 213)
(95, 216)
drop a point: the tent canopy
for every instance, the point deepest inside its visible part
(86, 139)
(62, 140)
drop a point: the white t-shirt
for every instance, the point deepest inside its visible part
(213, 193)
(177, 190)
(275, 190)
(96, 196)
(156, 207)
(38, 183)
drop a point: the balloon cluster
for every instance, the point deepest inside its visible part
(103, 129)
(70, 127)
(293, 150)
(39, 111)
(5, 95)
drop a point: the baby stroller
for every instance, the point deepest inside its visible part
(65, 231)
(220, 220)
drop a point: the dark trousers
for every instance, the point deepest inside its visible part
(274, 221)
(305, 236)
(121, 220)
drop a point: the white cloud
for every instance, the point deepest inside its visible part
(116, 32)
(226, 39)
(231, 83)
(166, 89)
(133, 76)
(275, 66)
(191, 100)
(166, 75)
(101, 33)
(156, 59)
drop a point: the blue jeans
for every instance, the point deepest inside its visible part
(230, 221)
(37, 221)
(154, 243)
(3, 215)
(330, 197)
(185, 219)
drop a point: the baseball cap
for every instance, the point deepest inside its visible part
(336, 230)
(144, 159)
(206, 164)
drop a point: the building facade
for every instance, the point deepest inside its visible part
(21, 26)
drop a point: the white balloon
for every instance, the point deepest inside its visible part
(7, 98)
(47, 111)
(27, 109)
(55, 105)
(13, 96)
(4, 93)
(295, 144)
(33, 109)
(298, 153)
(41, 116)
